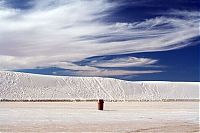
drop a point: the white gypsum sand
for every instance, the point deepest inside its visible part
(22, 86)
(179, 117)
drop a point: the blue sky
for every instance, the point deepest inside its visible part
(126, 39)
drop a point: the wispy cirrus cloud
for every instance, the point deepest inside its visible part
(121, 62)
(58, 33)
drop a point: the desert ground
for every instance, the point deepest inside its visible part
(180, 117)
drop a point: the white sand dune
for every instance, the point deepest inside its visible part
(21, 86)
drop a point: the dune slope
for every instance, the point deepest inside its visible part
(21, 86)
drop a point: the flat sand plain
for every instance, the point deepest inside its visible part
(179, 117)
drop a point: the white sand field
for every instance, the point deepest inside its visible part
(84, 117)
(23, 86)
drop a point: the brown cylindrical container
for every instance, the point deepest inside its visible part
(100, 104)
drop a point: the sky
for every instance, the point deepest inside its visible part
(124, 39)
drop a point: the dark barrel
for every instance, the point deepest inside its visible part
(100, 104)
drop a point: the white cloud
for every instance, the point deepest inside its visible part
(57, 31)
(108, 73)
(184, 13)
(124, 62)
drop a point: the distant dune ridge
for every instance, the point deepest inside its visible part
(22, 86)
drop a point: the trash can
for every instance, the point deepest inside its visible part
(100, 104)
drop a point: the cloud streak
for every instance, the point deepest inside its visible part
(122, 62)
(58, 33)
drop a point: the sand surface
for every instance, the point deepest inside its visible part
(84, 117)
(23, 86)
